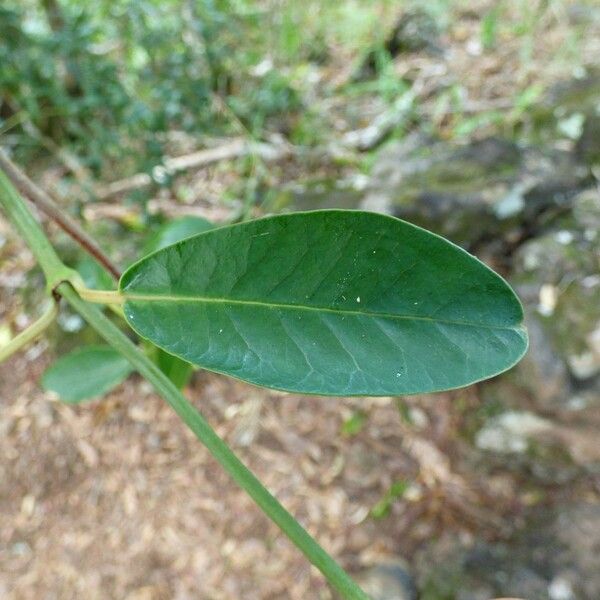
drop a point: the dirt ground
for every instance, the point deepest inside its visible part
(116, 499)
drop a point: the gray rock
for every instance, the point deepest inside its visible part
(416, 30)
(571, 110)
(557, 277)
(493, 194)
(587, 148)
(554, 558)
(489, 192)
(543, 371)
(388, 581)
(511, 432)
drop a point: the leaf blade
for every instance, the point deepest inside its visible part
(177, 370)
(328, 302)
(86, 373)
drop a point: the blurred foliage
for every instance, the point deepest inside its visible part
(354, 424)
(109, 77)
(109, 81)
(383, 507)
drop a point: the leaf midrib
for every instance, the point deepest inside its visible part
(302, 307)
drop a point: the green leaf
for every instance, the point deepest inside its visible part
(489, 28)
(328, 302)
(383, 507)
(355, 423)
(177, 370)
(93, 275)
(86, 373)
(175, 231)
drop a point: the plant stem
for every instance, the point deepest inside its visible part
(110, 297)
(61, 279)
(16, 209)
(43, 201)
(336, 576)
(29, 334)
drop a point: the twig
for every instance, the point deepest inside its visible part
(43, 201)
(29, 334)
(234, 149)
(57, 272)
(196, 422)
(474, 107)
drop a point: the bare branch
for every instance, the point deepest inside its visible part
(233, 149)
(45, 203)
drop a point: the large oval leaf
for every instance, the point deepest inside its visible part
(177, 370)
(328, 302)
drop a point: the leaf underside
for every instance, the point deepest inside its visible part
(177, 370)
(328, 302)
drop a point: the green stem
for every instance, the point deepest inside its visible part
(29, 334)
(62, 279)
(110, 297)
(336, 576)
(45, 203)
(16, 209)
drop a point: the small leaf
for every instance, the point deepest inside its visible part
(328, 302)
(177, 370)
(383, 507)
(93, 275)
(175, 231)
(86, 373)
(489, 28)
(354, 424)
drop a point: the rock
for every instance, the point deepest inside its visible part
(416, 30)
(543, 371)
(571, 110)
(388, 581)
(581, 94)
(560, 589)
(587, 148)
(554, 558)
(557, 276)
(547, 450)
(489, 192)
(583, 366)
(510, 432)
